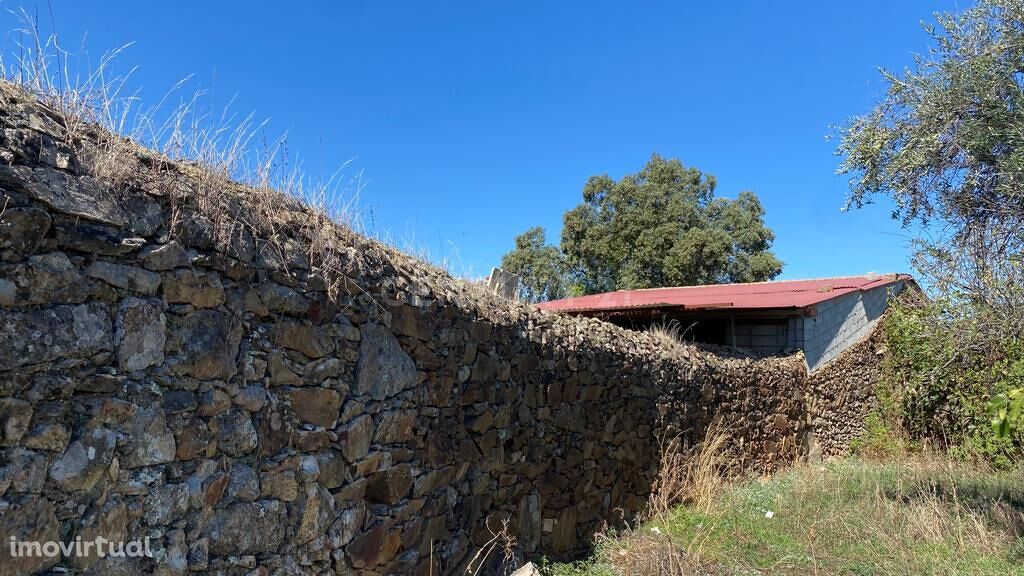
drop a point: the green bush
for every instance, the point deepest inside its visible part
(944, 367)
(880, 440)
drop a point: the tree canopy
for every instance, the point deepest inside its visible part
(946, 143)
(540, 267)
(662, 226)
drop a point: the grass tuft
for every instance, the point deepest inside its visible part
(693, 476)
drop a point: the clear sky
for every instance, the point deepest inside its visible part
(472, 121)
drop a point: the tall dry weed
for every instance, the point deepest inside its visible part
(690, 475)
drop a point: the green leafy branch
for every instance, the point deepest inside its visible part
(1008, 411)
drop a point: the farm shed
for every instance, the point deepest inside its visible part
(821, 316)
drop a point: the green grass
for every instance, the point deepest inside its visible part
(848, 517)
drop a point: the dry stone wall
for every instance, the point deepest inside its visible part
(842, 394)
(257, 391)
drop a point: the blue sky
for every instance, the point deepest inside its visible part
(470, 122)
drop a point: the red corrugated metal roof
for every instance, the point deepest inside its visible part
(751, 296)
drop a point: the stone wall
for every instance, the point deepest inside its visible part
(842, 393)
(259, 391)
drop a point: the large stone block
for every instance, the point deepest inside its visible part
(394, 426)
(317, 406)
(375, 546)
(204, 344)
(78, 196)
(384, 369)
(200, 289)
(126, 277)
(45, 279)
(149, 440)
(247, 528)
(236, 435)
(94, 238)
(31, 519)
(84, 460)
(21, 229)
(50, 334)
(390, 486)
(141, 333)
(312, 513)
(15, 416)
(309, 340)
(355, 438)
(164, 256)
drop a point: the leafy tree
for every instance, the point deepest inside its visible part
(663, 226)
(947, 145)
(540, 267)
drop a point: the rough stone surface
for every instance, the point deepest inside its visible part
(15, 416)
(312, 513)
(394, 427)
(84, 461)
(200, 289)
(391, 485)
(244, 485)
(236, 436)
(252, 398)
(21, 230)
(279, 485)
(149, 440)
(51, 334)
(77, 196)
(374, 547)
(309, 340)
(95, 238)
(164, 257)
(384, 369)
(317, 406)
(842, 393)
(30, 519)
(247, 528)
(205, 344)
(141, 334)
(282, 299)
(50, 278)
(126, 277)
(355, 438)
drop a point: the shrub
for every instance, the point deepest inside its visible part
(880, 441)
(944, 366)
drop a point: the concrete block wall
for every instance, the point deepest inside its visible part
(841, 322)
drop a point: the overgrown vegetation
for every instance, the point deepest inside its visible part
(218, 171)
(927, 515)
(946, 143)
(942, 369)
